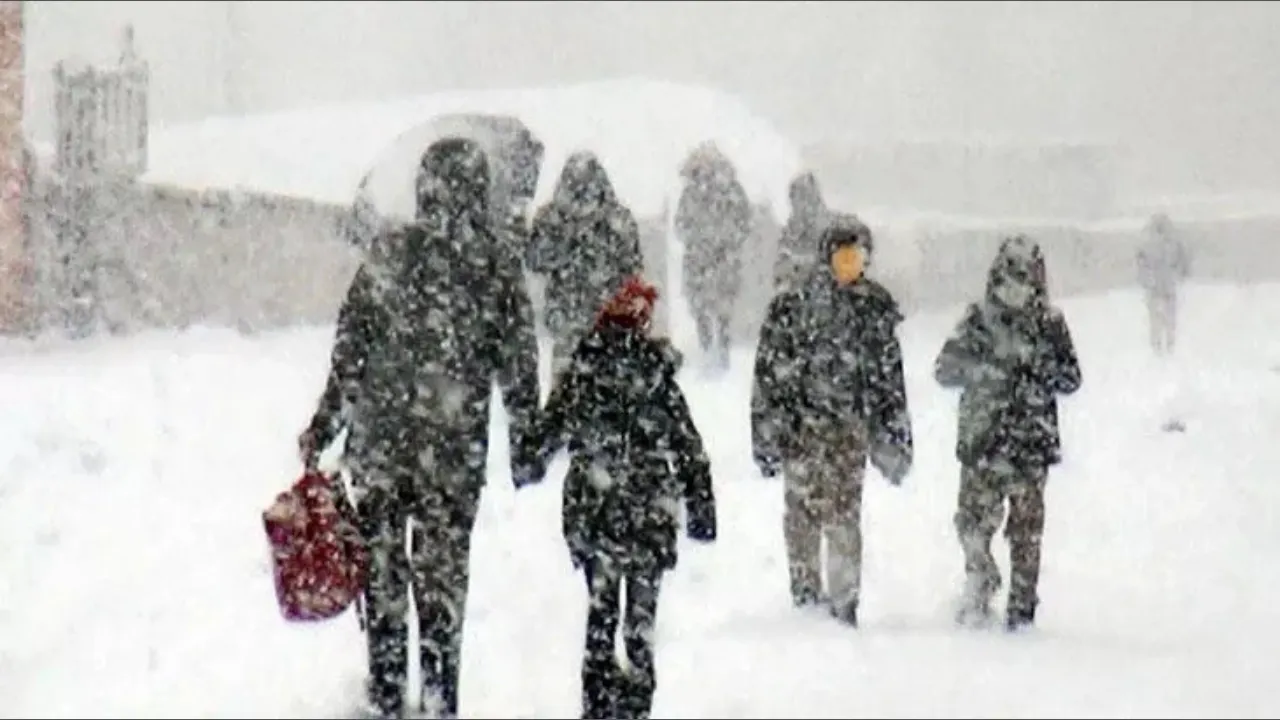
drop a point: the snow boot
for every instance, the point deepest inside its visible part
(804, 597)
(846, 613)
(634, 696)
(973, 607)
(1018, 618)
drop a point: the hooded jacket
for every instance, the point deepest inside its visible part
(1010, 363)
(585, 241)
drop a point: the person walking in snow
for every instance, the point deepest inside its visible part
(636, 458)
(436, 313)
(798, 245)
(1162, 266)
(585, 241)
(713, 221)
(1011, 356)
(829, 394)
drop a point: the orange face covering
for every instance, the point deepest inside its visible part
(847, 264)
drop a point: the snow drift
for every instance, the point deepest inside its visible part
(641, 129)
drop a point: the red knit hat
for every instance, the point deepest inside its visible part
(631, 306)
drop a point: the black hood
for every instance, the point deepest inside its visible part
(584, 182)
(453, 176)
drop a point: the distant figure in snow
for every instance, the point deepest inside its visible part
(636, 461)
(1162, 266)
(584, 241)
(798, 249)
(435, 315)
(713, 221)
(1011, 356)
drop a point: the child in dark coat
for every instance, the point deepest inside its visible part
(636, 459)
(1011, 357)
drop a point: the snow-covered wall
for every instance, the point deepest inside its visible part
(641, 129)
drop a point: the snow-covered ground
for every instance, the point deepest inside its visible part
(135, 581)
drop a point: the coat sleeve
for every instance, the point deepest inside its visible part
(515, 349)
(960, 361)
(888, 408)
(774, 358)
(544, 253)
(693, 467)
(631, 257)
(687, 216)
(1064, 376)
(1142, 263)
(556, 424)
(555, 429)
(355, 333)
(743, 216)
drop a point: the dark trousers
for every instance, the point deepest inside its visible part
(712, 325)
(629, 603)
(435, 567)
(984, 494)
(711, 302)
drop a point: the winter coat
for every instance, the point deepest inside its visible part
(829, 356)
(584, 241)
(713, 220)
(636, 456)
(424, 332)
(1010, 365)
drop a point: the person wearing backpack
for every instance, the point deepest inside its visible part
(436, 313)
(636, 458)
(1011, 356)
(828, 395)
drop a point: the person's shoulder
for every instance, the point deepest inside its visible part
(881, 301)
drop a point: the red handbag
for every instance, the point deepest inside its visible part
(319, 559)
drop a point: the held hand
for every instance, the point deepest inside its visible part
(528, 467)
(892, 463)
(525, 476)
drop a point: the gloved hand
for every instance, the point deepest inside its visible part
(701, 529)
(892, 462)
(769, 463)
(700, 523)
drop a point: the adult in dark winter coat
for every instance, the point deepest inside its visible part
(828, 394)
(435, 315)
(585, 241)
(636, 458)
(713, 222)
(1011, 356)
(798, 246)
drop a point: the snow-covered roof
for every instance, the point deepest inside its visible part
(641, 129)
